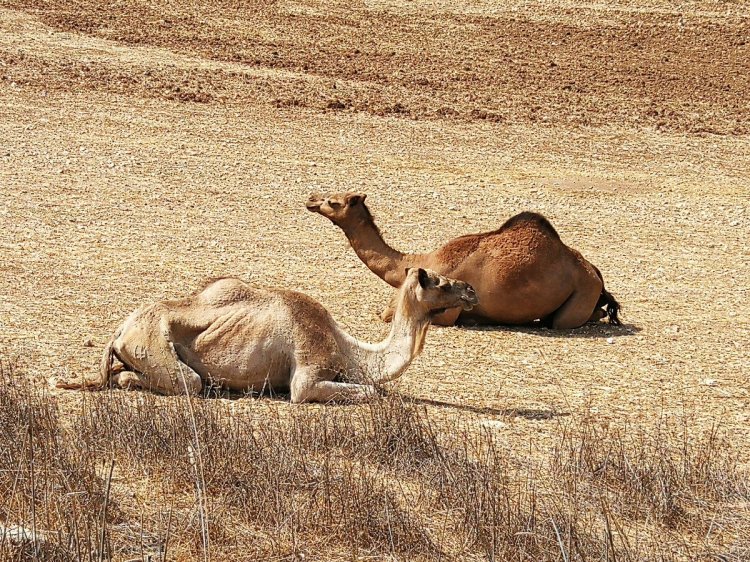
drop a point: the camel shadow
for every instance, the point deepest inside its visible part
(215, 392)
(526, 413)
(536, 328)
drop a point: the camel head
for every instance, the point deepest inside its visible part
(339, 208)
(437, 293)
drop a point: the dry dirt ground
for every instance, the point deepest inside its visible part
(147, 146)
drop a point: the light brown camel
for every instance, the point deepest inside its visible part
(521, 272)
(242, 338)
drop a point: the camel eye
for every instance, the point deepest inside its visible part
(335, 204)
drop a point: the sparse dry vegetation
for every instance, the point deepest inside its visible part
(133, 475)
(148, 146)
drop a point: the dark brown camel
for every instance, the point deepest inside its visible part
(521, 272)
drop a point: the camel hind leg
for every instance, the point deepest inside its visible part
(579, 308)
(141, 355)
(163, 372)
(153, 362)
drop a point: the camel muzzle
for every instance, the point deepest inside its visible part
(314, 202)
(469, 299)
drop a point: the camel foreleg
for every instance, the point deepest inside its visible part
(308, 386)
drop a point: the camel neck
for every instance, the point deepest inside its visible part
(387, 360)
(385, 262)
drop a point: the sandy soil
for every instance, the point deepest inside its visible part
(143, 150)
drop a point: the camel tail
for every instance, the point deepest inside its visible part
(107, 361)
(611, 306)
(608, 302)
(105, 371)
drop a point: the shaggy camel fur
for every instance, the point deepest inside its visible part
(242, 338)
(522, 271)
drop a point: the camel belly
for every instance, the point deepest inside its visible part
(243, 366)
(242, 352)
(517, 291)
(519, 307)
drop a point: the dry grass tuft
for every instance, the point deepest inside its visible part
(667, 475)
(51, 495)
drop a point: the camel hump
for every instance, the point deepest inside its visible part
(529, 218)
(223, 291)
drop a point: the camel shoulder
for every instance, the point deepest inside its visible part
(304, 307)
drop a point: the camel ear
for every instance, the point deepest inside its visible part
(355, 198)
(424, 279)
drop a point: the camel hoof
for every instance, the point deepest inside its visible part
(596, 316)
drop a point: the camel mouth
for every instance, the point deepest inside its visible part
(314, 202)
(469, 301)
(467, 305)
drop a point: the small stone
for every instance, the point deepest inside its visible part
(610, 340)
(88, 343)
(709, 382)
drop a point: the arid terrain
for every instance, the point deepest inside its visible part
(148, 146)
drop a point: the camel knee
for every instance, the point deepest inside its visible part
(174, 380)
(190, 382)
(387, 314)
(302, 385)
(301, 391)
